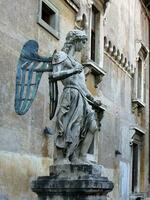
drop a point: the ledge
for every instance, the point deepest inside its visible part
(139, 130)
(138, 135)
(94, 68)
(138, 104)
(97, 71)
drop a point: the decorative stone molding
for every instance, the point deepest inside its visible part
(137, 136)
(138, 105)
(141, 50)
(97, 71)
(74, 4)
(82, 9)
(106, 6)
(116, 55)
(106, 9)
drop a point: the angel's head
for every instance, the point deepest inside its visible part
(76, 38)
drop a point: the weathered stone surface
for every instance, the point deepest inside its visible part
(16, 172)
(73, 182)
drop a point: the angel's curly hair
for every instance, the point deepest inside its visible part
(72, 37)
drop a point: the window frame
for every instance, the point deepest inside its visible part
(96, 13)
(41, 22)
(141, 56)
(137, 139)
(136, 189)
(141, 87)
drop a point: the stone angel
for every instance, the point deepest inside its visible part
(75, 119)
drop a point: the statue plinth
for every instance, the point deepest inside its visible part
(72, 182)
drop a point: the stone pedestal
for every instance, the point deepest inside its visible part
(73, 182)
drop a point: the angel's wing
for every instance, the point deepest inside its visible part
(28, 76)
(27, 82)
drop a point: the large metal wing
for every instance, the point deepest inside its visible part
(28, 76)
(27, 82)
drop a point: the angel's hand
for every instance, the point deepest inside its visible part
(78, 69)
(97, 102)
(90, 97)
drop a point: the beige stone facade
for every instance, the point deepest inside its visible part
(121, 37)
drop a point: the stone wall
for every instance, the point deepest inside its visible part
(115, 131)
(126, 26)
(25, 152)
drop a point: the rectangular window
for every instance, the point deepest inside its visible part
(135, 158)
(95, 21)
(48, 17)
(140, 80)
(137, 163)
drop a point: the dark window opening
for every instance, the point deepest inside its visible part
(139, 92)
(48, 15)
(135, 167)
(93, 45)
(93, 33)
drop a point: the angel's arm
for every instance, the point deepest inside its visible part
(85, 90)
(63, 74)
(64, 70)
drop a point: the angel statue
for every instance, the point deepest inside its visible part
(76, 117)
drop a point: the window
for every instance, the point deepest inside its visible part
(139, 77)
(48, 17)
(135, 158)
(95, 21)
(137, 164)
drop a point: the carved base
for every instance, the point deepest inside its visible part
(72, 182)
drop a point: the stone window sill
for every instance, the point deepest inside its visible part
(138, 104)
(96, 70)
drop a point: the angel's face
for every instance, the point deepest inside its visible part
(80, 44)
